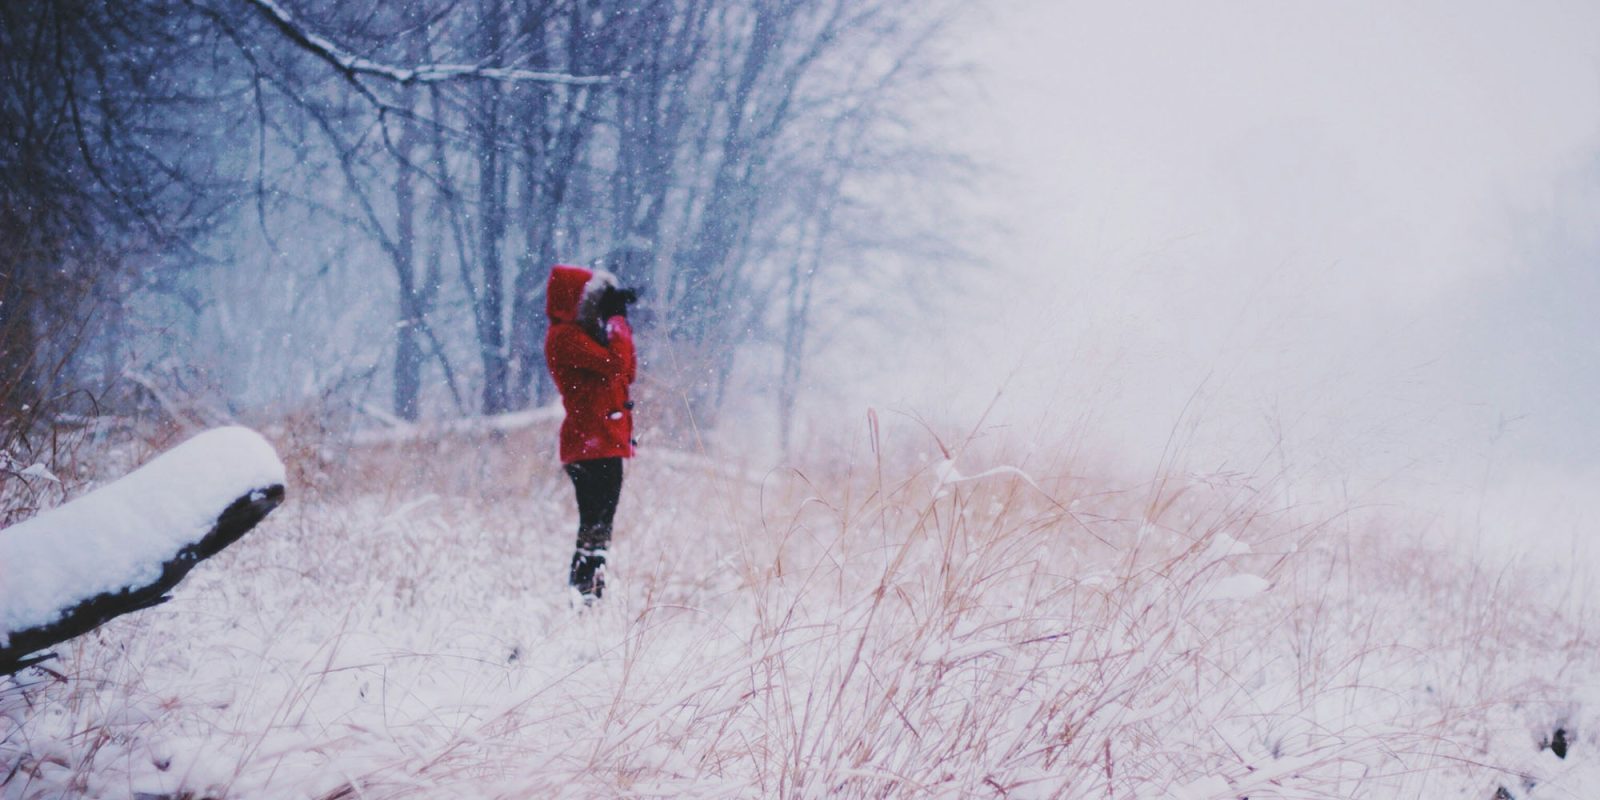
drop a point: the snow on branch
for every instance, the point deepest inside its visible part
(352, 65)
(124, 546)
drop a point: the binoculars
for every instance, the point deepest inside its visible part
(616, 301)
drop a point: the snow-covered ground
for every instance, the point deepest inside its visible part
(861, 626)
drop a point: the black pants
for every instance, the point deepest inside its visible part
(598, 483)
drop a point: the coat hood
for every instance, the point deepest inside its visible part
(565, 292)
(574, 292)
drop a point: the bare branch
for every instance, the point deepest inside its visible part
(352, 65)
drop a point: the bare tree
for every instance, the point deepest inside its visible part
(106, 178)
(800, 91)
(719, 154)
(554, 124)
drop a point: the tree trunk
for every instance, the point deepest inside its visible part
(527, 312)
(18, 390)
(491, 223)
(408, 355)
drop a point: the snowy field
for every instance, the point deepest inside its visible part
(873, 624)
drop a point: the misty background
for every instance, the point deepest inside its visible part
(1355, 243)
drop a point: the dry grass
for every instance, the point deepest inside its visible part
(846, 627)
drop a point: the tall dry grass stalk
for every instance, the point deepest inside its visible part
(867, 624)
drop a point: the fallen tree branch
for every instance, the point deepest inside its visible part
(236, 520)
(122, 547)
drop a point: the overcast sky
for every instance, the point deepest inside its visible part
(1370, 230)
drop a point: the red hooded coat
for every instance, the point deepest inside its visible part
(593, 378)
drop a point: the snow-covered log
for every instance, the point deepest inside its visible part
(122, 547)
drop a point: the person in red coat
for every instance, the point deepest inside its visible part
(589, 349)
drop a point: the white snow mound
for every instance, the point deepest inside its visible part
(120, 534)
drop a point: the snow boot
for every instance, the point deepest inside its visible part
(588, 574)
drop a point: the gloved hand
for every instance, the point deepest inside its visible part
(615, 302)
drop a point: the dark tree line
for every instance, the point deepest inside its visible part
(107, 119)
(733, 158)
